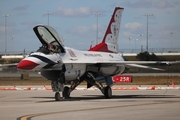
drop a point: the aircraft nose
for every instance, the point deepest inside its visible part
(26, 65)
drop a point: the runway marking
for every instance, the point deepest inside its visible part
(28, 117)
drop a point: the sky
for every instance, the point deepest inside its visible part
(76, 24)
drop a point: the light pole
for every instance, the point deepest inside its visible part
(140, 35)
(91, 43)
(141, 44)
(135, 43)
(5, 16)
(12, 42)
(150, 40)
(97, 14)
(48, 13)
(130, 38)
(147, 15)
(171, 40)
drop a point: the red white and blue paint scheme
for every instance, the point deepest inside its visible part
(63, 65)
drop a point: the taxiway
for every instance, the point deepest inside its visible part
(90, 104)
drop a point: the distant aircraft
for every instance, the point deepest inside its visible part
(64, 65)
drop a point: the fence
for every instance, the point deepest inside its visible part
(150, 50)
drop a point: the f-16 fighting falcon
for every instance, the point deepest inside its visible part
(67, 67)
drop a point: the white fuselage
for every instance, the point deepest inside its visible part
(77, 62)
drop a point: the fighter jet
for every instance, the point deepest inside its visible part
(68, 67)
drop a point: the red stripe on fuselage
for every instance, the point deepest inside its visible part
(101, 47)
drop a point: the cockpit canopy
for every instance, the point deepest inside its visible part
(49, 38)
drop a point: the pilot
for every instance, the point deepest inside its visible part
(50, 46)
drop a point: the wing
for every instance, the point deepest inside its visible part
(137, 63)
(91, 61)
(125, 63)
(8, 65)
(146, 67)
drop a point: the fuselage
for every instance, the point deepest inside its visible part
(76, 62)
(52, 56)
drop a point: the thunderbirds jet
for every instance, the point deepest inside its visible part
(63, 65)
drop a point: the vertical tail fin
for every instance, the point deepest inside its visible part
(109, 42)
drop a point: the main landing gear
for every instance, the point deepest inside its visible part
(107, 92)
(90, 79)
(57, 87)
(65, 93)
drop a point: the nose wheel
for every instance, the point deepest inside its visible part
(57, 96)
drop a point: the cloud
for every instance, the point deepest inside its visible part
(163, 4)
(138, 4)
(165, 29)
(126, 34)
(21, 8)
(30, 24)
(2, 29)
(81, 29)
(160, 4)
(133, 25)
(70, 12)
(76, 12)
(88, 31)
(23, 14)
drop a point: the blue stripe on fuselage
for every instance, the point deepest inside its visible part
(44, 59)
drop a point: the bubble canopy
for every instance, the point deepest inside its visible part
(49, 37)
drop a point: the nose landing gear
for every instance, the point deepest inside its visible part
(57, 87)
(57, 96)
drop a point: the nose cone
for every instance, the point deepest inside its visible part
(26, 65)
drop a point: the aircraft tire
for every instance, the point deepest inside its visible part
(57, 96)
(66, 93)
(107, 92)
